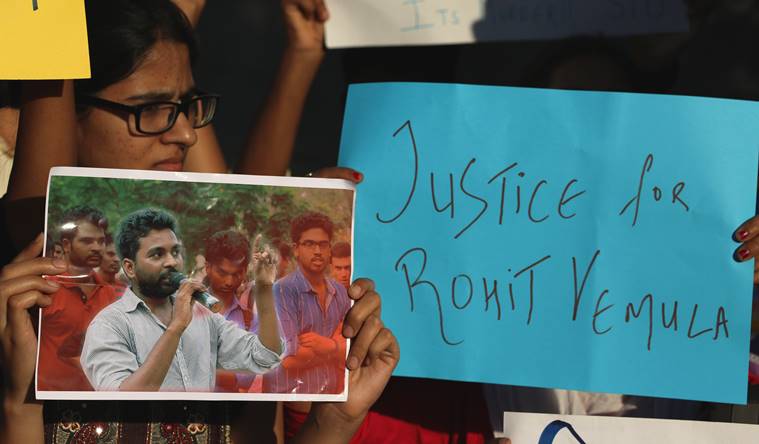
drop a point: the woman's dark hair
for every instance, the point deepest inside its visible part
(122, 32)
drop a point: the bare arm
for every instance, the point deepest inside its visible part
(268, 324)
(264, 273)
(271, 141)
(193, 9)
(46, 136)
(23, 423)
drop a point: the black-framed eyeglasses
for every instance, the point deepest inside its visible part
(157, 117)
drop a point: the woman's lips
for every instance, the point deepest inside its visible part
(169, 165)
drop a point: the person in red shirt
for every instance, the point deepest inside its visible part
(81, 295)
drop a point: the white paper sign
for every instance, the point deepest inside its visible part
(536, 428)
(357, 23)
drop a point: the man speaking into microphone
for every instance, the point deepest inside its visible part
(155, 337)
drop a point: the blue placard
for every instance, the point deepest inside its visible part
(577, 240)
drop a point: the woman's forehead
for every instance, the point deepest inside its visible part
(164, 74)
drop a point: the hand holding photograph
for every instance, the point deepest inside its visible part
(196, 286)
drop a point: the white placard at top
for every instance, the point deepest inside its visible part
(359, 23)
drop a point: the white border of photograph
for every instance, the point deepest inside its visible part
(238, 179)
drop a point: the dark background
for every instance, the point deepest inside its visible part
(242, 40)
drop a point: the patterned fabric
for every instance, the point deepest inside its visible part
(68, 422)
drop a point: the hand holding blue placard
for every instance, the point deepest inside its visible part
(524, 231)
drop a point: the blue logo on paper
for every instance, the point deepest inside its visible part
(553, 429)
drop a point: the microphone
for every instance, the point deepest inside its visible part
(176, 279)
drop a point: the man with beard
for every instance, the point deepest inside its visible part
(81, 295)
(155, 337)
(109, 268)
(311, 307)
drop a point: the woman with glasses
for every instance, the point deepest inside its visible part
(142, 110)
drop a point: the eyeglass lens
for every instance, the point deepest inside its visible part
(162, 116)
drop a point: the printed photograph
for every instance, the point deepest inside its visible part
(196, 286)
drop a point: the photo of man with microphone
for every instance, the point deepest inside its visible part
(159, 336)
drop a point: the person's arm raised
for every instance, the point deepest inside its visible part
(46, 136)
(271, 141)
(193, 9)
(265, 272)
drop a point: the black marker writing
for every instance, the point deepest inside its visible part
(473, 196)
(578, 291)
(407, 124)
(417, 282)
(631, 311)
(598, 313)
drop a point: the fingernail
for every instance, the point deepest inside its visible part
(59, 263)
(352, 362)
(744, 254)
(355, 291)
(742, 235)
(348, 331)
(55, 284)
(357, 176)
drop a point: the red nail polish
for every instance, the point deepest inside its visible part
(357, 176)
(744, 254)
(742, 235)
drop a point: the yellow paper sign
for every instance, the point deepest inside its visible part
(43, 39)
